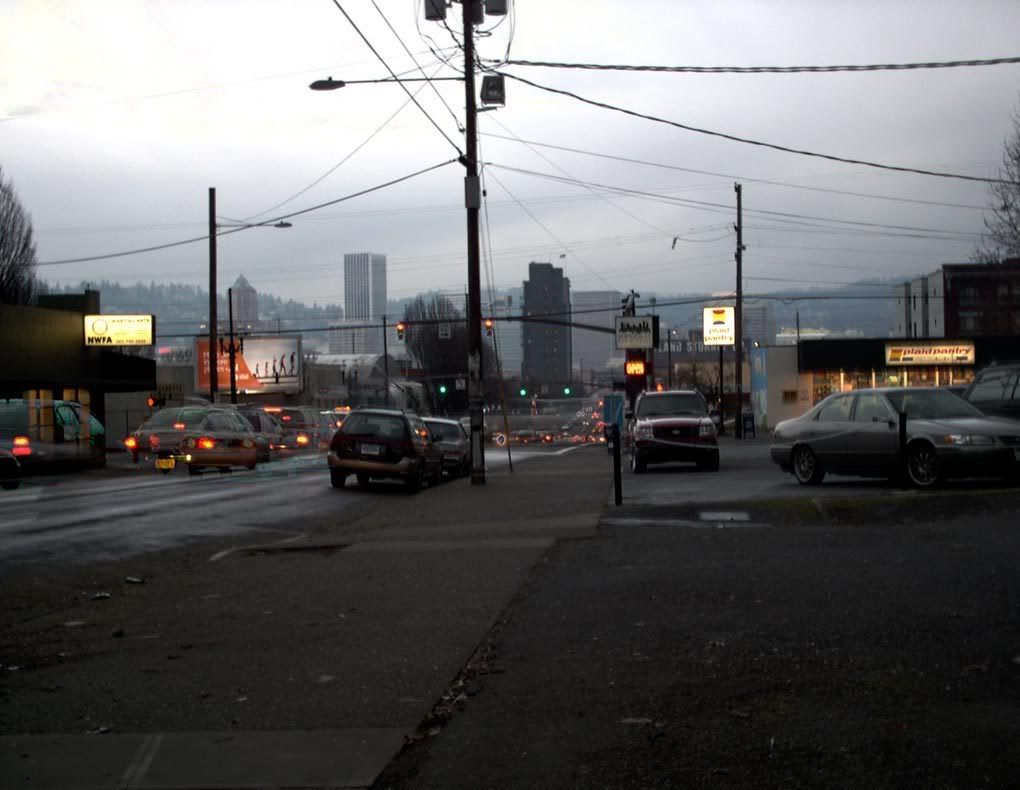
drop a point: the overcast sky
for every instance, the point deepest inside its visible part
(117, 116)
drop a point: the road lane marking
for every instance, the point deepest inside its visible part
(724, 515)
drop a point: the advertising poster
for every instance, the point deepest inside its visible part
(266, 364)
(759, 385)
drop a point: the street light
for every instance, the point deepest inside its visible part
(213, 228)
(330, 84)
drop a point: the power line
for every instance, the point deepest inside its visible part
(392, 74)
(748, 141)
(733, 176)
(238, 230)
(946, 64)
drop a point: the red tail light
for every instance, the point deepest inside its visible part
(131, 443)
(178, 426)
(206, 443)
(153, 441)
(22, 446)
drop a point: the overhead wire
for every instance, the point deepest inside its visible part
(749, 141)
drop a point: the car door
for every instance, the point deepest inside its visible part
(828, 434)
(874, 439)
(67, 433)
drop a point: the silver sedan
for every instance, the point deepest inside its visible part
(858, 433)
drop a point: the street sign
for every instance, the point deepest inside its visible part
(444, 332)
(720, 326)
(637, 331)
(460, 384)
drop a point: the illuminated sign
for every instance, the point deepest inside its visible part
(637, 331)
(263, 364)
(720, 326)
(953, 352)
(634, 367)
(119, 330)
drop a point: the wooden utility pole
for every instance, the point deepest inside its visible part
(213, 372)
(738, 430)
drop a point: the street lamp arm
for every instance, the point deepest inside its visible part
(330, 84)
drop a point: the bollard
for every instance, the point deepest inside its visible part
(904, 477)
(617, 472)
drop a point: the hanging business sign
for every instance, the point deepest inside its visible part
(637, 331)
(119, 330)
(719, 326)
(264, 364)
(953, 352)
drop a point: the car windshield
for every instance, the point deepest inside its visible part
(932, 405)
(445, 432)
(671, 404)
(380, 426)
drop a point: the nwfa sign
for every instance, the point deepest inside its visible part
(119, 330)
(637, 331)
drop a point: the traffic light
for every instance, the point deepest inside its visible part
(401, 326)
(442, 389)
(488, 327)
(566, 390)
(524, 392)
(155, 400)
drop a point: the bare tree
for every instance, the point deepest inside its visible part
(1002, 237)
(17, 250)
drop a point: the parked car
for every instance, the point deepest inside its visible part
(300, 426)
(46, 434)
(10, 470)
(857, 433)
(452, 441)
(996, 391)
(268, 431)
(671, 426)
(382, 443)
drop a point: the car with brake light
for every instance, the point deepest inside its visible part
(452, 441)
(48, 434)
(163, 432)
(329, 424)
(268, 431)
(671, 426)
(384, 443)
(10, 470)
(300, 426)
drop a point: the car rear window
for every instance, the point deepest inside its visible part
(446, 432)
(162, 419)
(671, 404)
(379, 426)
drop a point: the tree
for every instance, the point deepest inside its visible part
(17, 250)
(1002, 239)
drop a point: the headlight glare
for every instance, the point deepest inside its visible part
(969, 440)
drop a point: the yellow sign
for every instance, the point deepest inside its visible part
(944, 352)
(634, 367)
(119, 330)
(719, 326)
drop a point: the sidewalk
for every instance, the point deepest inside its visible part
(300, 664)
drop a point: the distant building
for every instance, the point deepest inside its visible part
(507, 335)
(593, 350)
(364, 303)
(547, 349)
(759, 325)
(245, 302)
(961, 300)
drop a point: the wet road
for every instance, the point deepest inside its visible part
(127, 511)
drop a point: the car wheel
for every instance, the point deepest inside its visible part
(416, 480)
(806, 468)
(194, 471)
(337, 478)
(637, 466)
(363, 479)
(923, 467)
(165, 471)
(710, 464)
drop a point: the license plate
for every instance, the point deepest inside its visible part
(165, 463)
(370, 449)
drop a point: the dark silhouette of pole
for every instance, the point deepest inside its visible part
(386, 362)
(738, 430)
(213, 377)
(232, 350)
(472, 201)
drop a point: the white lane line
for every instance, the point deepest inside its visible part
(724, 515)
(226, 552)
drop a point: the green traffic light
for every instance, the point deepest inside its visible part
(523, 392)
(566, 390)
(442, 389)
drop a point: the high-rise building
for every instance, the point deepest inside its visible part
(246, 302)
(507, 336)
(547, 350)
(759, 325)
(364, 303)
(593, 350)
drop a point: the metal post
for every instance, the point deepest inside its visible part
(902, 447)
(386, 362)
(739, 317)
(669, 355)
(213, 373)
(617, 473)
(722, 418)
(233, 351)
(472, 201)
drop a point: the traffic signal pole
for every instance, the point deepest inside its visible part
(472, 202)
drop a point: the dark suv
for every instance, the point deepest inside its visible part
(672, 426)
(996, 391)
(381, 443)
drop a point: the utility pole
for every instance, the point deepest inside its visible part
(232, 351)
(386, 362)
(738, 430)
(472, 201)
(213, 382)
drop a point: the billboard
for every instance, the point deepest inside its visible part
(266, 364)
(119, 330)
(719, 326)
(637, 331)
(945, 352)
